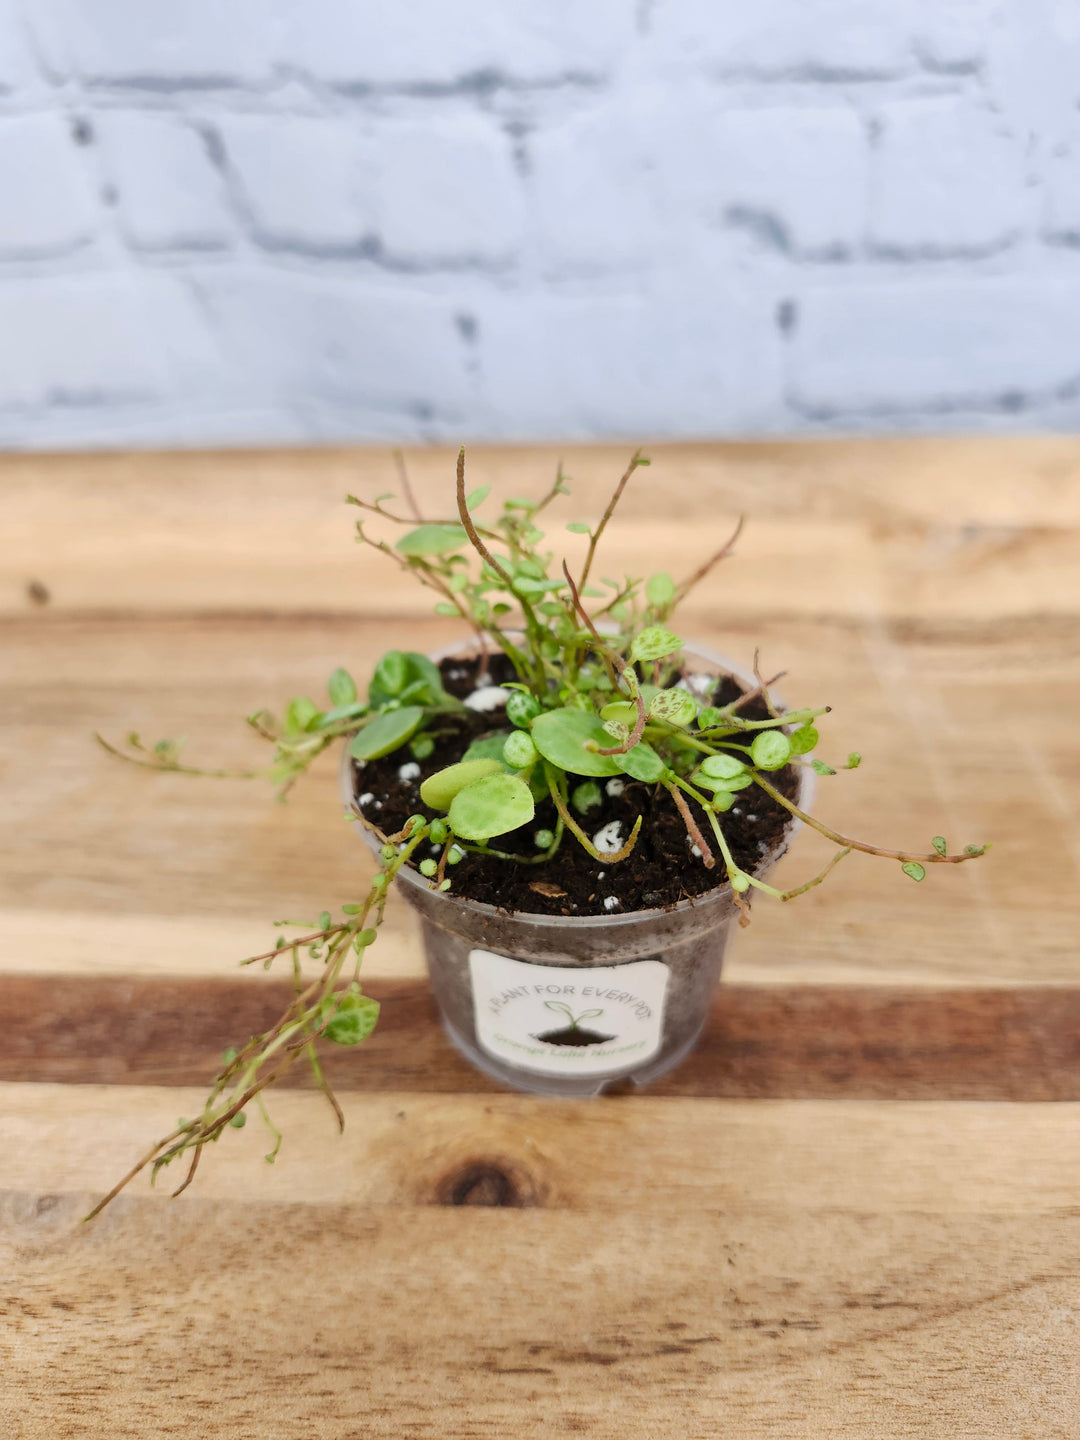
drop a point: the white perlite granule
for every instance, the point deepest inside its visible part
(700, 684)
(488, 697)
(607, 839)
(409, 771)
(611, 902)
(615, 787)
(366, 798)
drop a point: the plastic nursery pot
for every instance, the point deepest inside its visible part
(567, 1005)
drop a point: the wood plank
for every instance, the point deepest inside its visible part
(768, 1042)
(612, 1155)
(907, 527)
(217, 1319)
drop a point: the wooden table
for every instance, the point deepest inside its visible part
(854, 1212)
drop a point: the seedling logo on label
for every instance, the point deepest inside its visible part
(574, 1033)
(563, 1020)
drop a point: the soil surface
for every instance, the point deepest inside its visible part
(660, 871)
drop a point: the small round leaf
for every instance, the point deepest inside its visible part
(301, 713)
(723, 767)
(770, 750)
(491, 806)
(719, 783)
(561, 736)
(914, 869)
(353, 1019)
(342, 688)
(586, 797)
(439, 790)
(643, 763)
(519, 750)
(804, 739)
(676, 707)
(432, 540)
(522, 709)
(653, 643)
(386, 733)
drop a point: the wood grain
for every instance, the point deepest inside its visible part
(853, 1212)
(769, 1042)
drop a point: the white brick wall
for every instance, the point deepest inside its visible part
(266, 221)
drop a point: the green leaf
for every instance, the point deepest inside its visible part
(488, 747)
(343, 712)
(519, 750)
(428, 868)
(660, 589)
(440, 789)
(804, 739)
(623, 712)
(421, 746)
(723, 767)
(324, 920)
(342, 688)
(238, 1121)
(676, 707)
(914, 869)
(711, 715)
(425, 671)
(561, 736)
(432, 540)
(522, 709)
(476, 498)
(491, 806)
(577, 528)
(717, 783)
(300, 714)
(820, 768)
(939, 844)
(386, 733)
(642, 763)
(354, 1017)
(586, 797)
(391, 673)
(854, 760)
(770, 749)
(444, 607)
(526, 585)
(653, 643)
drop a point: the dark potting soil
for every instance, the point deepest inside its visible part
(661, 870)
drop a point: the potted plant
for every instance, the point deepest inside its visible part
(576, 802)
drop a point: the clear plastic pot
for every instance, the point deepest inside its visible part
(567, 1005)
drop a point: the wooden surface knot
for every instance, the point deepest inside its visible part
(494, 1183)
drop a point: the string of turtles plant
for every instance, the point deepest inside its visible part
(599, 692)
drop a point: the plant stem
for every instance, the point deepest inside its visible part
(635, 460)
(692, 827)
(834, 835)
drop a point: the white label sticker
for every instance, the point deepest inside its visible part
(568, 1020)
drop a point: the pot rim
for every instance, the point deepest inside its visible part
(719, 894)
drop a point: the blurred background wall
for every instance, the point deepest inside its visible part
(257, 221)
